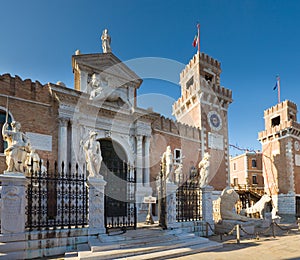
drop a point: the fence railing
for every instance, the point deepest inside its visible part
(57, 199)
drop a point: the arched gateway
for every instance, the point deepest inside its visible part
(120, 208)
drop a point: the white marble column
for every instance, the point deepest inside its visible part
(139, 160)
(62, 142)
(96, 188)
(147, 162)
(207, 206)
(13, 202)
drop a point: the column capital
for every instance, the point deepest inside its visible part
(63, 121)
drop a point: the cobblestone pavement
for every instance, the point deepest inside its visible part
(286, 245)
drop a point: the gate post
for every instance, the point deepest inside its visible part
(96, 186)
(13, 202)
(207, 206)
(171, 189)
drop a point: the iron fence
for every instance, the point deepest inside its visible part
(57, 199)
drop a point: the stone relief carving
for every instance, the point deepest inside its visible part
(106, 41)
(171, 208)
(204, 170)
(96, 209)
(12, 208)
(93, 155)
(101, 88)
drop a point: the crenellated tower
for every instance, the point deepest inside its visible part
(281, 156)
(204, 104)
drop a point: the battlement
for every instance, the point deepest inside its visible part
(25, 89)
(173, 127)
(190, 95)
(280, 106)
(280, 130)
(203, 59)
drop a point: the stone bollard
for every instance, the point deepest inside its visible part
(96, 186)
(13, 196)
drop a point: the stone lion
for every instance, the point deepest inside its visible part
(228, 199)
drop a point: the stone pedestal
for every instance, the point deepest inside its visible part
(96, 188)
(142, 208)
(207, 206)
(13, 202)
(171, 204)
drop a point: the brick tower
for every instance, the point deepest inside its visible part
(281, 156)
(204, 104)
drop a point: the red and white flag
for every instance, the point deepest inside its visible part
(196, 40)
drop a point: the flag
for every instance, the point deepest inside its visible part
(195, 40)
(277, 83)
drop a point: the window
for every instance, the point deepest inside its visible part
(208, 77)
(177, 156)
(254, 179)
(3, 144)
(235, 182)
(190, 83)
(253, 163)
(275, 121)
(234, 166)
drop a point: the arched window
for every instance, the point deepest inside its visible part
(3, 144)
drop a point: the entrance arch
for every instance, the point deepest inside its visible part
(119, 199)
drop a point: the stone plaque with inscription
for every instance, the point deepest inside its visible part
(40, 141)
(215, 141)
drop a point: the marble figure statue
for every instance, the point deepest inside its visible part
(93, 155)
(18, 147)
(106, 40)
(204, 170)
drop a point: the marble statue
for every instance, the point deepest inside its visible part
(258, 207)
(18, 147)
(106, 40)
(204, 170)
(227, 201)
(167, 159)
(33, 162)
(178, 174)
(93, 155)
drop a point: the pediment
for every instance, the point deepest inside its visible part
(106, 64)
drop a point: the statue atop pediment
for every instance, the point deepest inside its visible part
(106, 40)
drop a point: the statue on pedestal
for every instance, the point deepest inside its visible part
(93, 155)
(204, 170)
(167, 159)
(18, 147)
(106, 40)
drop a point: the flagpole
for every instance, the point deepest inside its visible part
(278, 83)
(198, 27)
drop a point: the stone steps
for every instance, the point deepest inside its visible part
(41, 244)
(144, 244)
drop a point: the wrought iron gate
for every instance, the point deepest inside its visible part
(120, 207)
(188, 197)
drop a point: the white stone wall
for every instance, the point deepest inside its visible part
(286, 204)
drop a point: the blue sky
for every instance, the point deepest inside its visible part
(253, 40)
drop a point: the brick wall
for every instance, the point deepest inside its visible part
(31, 104)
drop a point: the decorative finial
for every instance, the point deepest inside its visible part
(106, 40)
